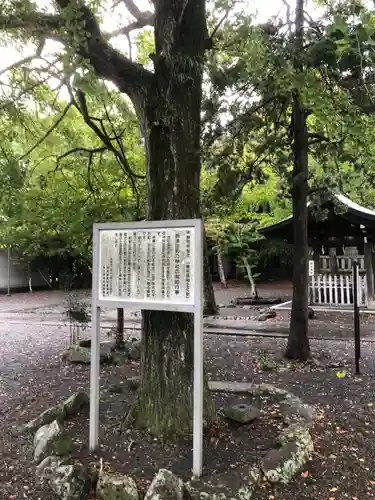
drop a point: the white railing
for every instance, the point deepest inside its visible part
(336, 290)
(344, 263)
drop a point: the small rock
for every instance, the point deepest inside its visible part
(48, 416)
(50, 440)
(82, 355)
(76, 402)
(77, 354)
(310, 313)
(242, 413)
(68, 481)
(85, 343)
(116, 389)
(135, 352)
(116, 487)
(293, 410)
(332, 457)
(271, 313)
(133, 382)
(120, 357)
(166, 486)
(282, 464)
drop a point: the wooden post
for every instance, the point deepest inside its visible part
(369, 274)
(357, 334)
(333, 267)
(316, 258)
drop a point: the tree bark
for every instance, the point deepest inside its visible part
(119, 337)
(220, 267)
(250, 277)
(210, 307)
(298, 343)
(173, 129)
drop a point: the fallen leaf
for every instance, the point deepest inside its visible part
(341, 374)
(305, 474)
(332, 490)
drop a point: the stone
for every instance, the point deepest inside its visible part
(48, 416)
(135, 352)
(115, 389)
(116, 487)
(85, 343)
(242, 413)
(230, 387)
(166, 486)
(271, 313)
(70, 481)
(133, 382)
(294, 410)
(78, 354)
(50, 440)
(310, 313)
(281, 465)
(76, 402)
(82, 355)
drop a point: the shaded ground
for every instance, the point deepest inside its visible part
(32, 378)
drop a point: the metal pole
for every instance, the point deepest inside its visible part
(357, 339)
(198, 356)
(8, 271)
(95, 348)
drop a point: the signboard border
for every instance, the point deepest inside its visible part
(196, 308)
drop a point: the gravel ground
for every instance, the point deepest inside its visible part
(32, 378)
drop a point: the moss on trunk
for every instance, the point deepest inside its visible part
(171, 124)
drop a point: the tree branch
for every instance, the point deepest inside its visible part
(80, 150)
(49, 131)
(108, 63)
(142, 19)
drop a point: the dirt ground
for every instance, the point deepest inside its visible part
(33, 377)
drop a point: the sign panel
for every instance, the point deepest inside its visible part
(147, 265)
(311, 268)
(153, 265)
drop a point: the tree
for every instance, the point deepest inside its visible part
(298, 344)
(167, 102)
(239, 242)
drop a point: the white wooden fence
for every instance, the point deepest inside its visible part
(344, 263)
(326, 289)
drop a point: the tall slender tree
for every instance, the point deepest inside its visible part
(298, 343)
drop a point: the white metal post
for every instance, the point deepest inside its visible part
(95, 348)
(198, 356)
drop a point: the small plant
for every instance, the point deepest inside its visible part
(77, 313)
(265, 363)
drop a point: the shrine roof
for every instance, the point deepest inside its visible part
(351, 220)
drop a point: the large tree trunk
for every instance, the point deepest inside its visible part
(172, 121)
(298, 343)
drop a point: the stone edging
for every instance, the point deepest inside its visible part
(279, 465)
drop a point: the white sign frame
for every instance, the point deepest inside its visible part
(196, 308)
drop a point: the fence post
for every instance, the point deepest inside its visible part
(357, 340)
